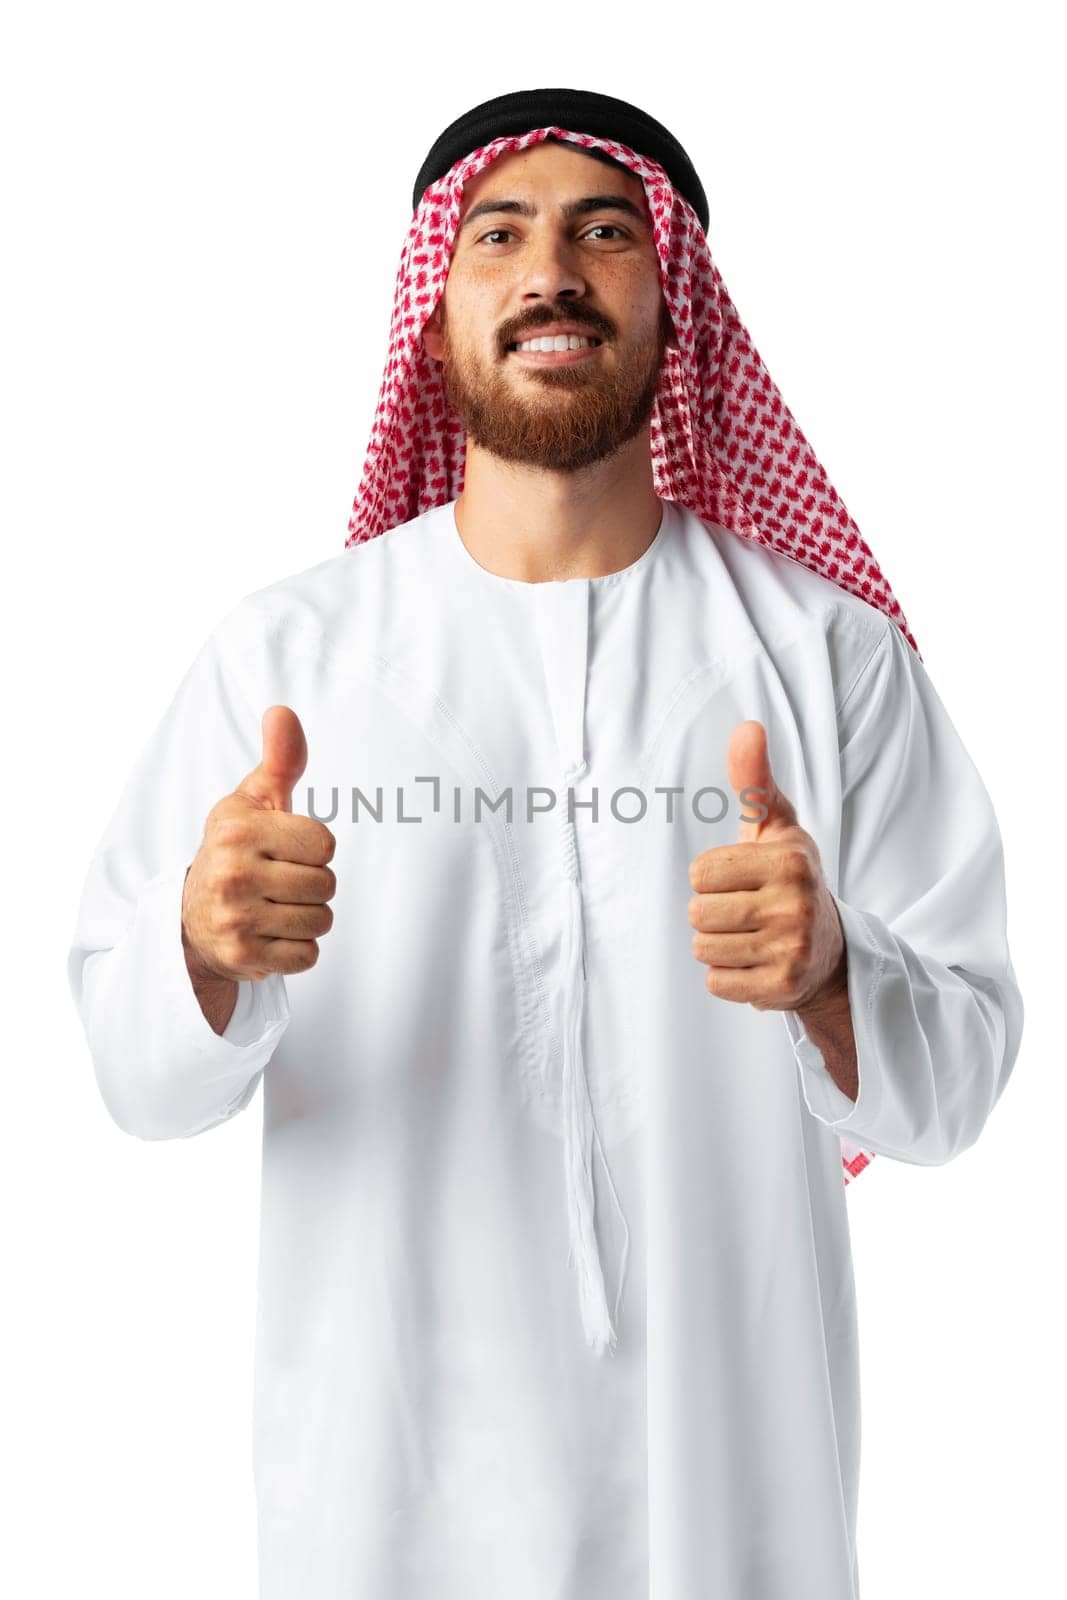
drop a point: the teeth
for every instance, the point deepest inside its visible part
(558, 341)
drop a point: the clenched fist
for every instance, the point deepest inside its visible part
(767, 926)
(255, 894)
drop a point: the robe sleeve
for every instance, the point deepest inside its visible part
(162, 1071)
(935, 1005)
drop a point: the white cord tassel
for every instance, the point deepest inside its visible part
(579, 1124)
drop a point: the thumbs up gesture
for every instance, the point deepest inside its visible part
(767, 926)
(255, 894)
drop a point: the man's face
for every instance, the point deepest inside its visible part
(513, 275)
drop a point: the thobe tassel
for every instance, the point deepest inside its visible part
(579, 1124)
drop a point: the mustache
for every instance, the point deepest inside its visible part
(531, 326)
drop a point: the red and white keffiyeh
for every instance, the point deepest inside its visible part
(724, 443)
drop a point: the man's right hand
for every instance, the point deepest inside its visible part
(255, 894)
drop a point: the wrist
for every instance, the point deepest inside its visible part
(831, 998)
(200, 971)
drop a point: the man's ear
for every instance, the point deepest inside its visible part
(669, 333)
(431, 334)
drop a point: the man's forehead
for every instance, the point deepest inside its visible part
(570, 174)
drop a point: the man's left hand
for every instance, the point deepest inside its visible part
(767, 926)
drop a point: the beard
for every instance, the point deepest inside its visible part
(569, 417)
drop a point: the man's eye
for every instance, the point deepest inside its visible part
(599, 228)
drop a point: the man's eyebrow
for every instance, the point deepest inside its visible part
(576, 208)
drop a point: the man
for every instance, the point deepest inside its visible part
(638, 889)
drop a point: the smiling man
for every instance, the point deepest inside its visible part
(560, 374)
(587, 867)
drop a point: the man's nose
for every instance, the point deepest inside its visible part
(550, 268)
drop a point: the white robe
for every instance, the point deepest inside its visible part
(431, 1421)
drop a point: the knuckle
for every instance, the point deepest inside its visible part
(793, 970)
(230, 830)
(233, 921)
(212, 881)
(226, 882)
(797, 866)
(314, 837)
(803, 911)
(312, 922)
(238, 949)
(236, 883)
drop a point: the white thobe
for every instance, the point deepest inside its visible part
(507, 983)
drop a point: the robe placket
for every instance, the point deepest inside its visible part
(562, 612)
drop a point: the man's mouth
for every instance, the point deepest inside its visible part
(561, 349)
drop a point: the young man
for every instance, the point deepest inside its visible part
(656, 893)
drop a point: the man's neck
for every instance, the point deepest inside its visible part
(525, 523)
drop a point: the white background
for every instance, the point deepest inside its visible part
(204, 208)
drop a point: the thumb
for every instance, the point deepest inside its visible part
(748, 766)
(285, 755)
